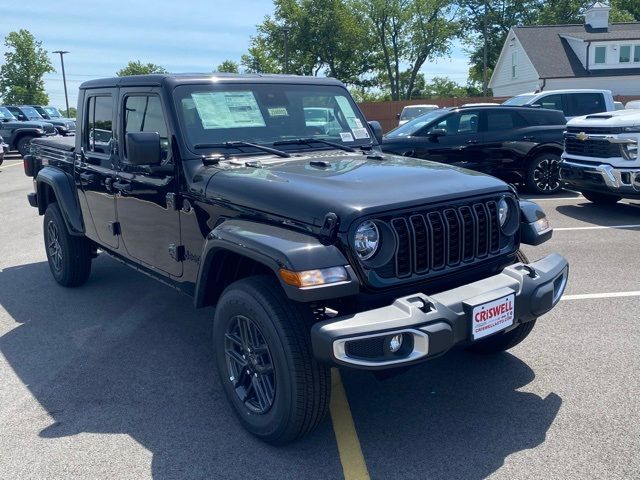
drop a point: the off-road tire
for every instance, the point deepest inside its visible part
(504, 341)
(601, 198)
(73, 266)
(302, 384)
(23, 144)
(535, 174)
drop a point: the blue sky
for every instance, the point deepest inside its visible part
(182, 36)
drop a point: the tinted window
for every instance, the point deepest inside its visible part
(585, 104)
(460, 123)
(554, 102)
(5, 113)
(506, 120)
(144, 114)
(412, 127)
(17, 113)
(99, 124)
(543, 117)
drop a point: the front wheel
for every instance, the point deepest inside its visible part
(263, 356)
(23, 145)
(543, 174)
(69, 256)
(601, 198)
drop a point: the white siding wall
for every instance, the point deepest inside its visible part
(613, 55)
(624, 85)
(502, 83)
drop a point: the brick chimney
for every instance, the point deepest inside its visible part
(597, 16)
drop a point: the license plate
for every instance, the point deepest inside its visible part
(491, 317)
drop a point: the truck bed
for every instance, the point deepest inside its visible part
(67, 144)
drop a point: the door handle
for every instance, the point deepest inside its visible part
(87, 179)
(124, 187)
(528, 137)
(472, 142)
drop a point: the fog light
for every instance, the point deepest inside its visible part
(395, 343)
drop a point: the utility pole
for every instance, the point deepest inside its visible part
(286, 31)
(484, 54)
(64, 78)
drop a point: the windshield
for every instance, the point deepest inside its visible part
(6, 114)
(519, 100)
(31, 113)
(412, 112)
(52, 112)
(413, 126)
(268, 113)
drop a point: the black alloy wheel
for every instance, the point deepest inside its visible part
(249, 365)
(544, 174)
(53, 246)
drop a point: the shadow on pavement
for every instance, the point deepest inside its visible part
(125, 354)
(603, 215)
(459, 416)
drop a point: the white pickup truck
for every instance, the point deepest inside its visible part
(600, 156)
(573, 102)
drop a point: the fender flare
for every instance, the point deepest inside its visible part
(20, 132)
(275, 247)
(535, 151)
(65, 191)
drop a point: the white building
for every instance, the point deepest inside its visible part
(595, 54)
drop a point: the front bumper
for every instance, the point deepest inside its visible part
(601, 177)
(438, 322)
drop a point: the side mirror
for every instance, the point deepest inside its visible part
(437, 132)
(377, 130)
(143, 148)
(397, 116)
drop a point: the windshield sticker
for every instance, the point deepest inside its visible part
(278, 112)
(346, 136)
(358, 122)
(360, 133)
(236, 109)
(348, 112)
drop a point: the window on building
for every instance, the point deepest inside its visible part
(601, 55)
(625, 53)
(514, 64)
(636, 53)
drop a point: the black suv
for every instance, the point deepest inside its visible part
(18, 134)
(516, 144)
(64, 126)
(315, 247)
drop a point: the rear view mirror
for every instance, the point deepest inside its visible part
(437, 132)
(143, 148)
(377, 130)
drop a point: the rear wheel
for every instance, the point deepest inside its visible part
(69, 256)
(505, 340)
(263, 356)
(23, 145)
(601, 198)
(543, 174)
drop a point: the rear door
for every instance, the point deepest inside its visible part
(507, 140)
(146, 196)
(95, 166)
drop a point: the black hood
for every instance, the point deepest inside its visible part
(351, 185)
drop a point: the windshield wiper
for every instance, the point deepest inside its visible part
(237, 144)
(307, 141)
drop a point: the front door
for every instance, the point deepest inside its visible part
(95, 168)
(147, 211)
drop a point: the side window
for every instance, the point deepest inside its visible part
(503, 121)
(459, 124)
(99, 125)
(553, 102)
(143, 113)
(585, 104)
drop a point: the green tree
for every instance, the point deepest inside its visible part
(228, 66)
(407, 34)
(138, 68)
(25, 63)
(72, 113)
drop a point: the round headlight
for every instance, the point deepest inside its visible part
(503, 211)
(366, 240)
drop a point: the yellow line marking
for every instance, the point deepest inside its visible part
(353, 464)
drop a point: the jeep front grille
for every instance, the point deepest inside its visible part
(444, 238)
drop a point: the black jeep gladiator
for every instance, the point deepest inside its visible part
(316, 248)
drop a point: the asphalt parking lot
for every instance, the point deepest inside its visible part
(116, 380)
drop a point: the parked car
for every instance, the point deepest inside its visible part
(29, 113)
(64, 126)
(4, 149)
(619, 105)
(317, 250)
(412, 111)
(517, 144)
(601, 156)
(574, 103)
(18, 135)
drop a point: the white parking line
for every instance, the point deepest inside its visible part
(598, 227)
(585, 296)
(549, 199)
